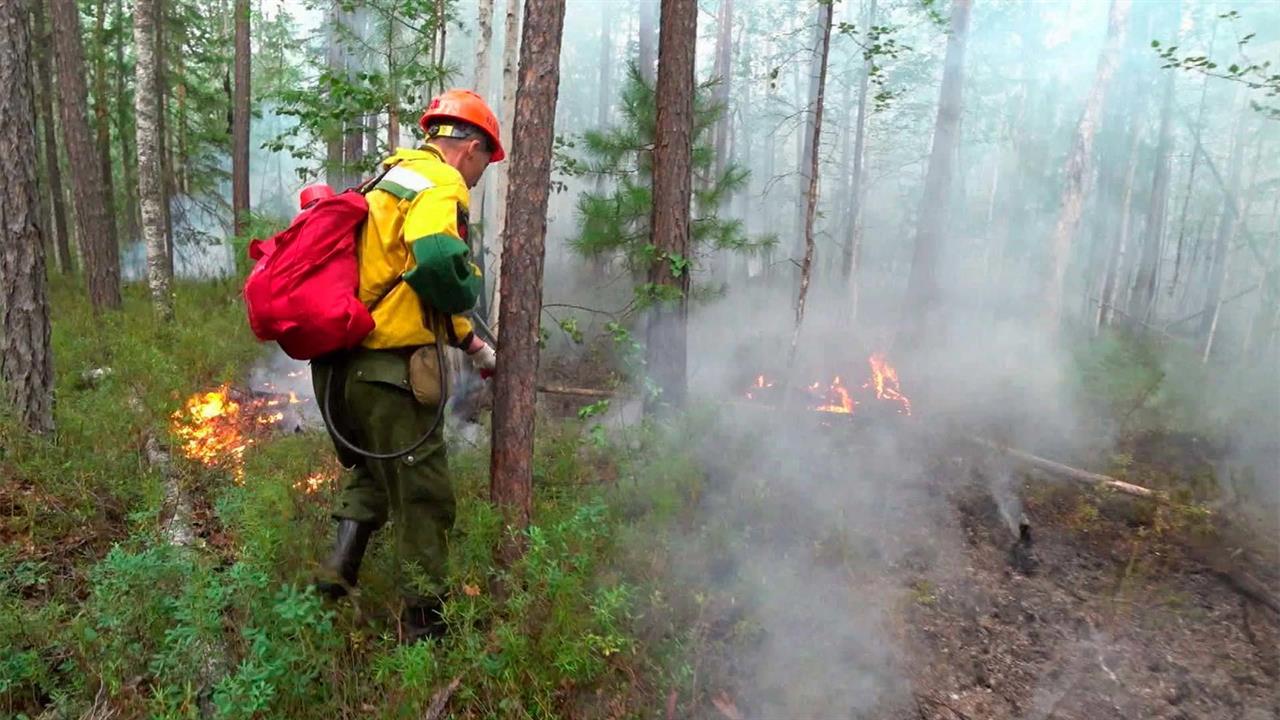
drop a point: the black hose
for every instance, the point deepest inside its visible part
(326, 413)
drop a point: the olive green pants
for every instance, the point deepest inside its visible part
(373, 406)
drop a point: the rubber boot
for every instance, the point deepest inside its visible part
(343, 565)
(422, 618)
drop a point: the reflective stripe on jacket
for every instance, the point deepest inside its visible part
(417, 214)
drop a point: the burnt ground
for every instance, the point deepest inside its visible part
(1110, 624)
(931, 610)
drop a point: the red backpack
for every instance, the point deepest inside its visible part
(302, 291)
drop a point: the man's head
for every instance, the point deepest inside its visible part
(460, 124)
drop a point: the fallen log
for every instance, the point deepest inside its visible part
(1068, 472)
(575, 391)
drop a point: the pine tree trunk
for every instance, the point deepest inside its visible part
(26, 358)
(811, 193)
(146, 102)
(94, 228)
(128, 159)
(240, 120)
(510, 53)
(857, 191)
(922, 284)
(648, 40)
(514, 385)
(724, 78)
(102, 120)
(1079, 165)
(666, 349)
(53, 170)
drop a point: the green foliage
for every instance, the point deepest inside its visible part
(1255, 75)
(387, 69)
(614, 219)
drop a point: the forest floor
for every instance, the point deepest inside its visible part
(710, 567)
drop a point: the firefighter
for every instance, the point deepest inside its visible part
(417, 277)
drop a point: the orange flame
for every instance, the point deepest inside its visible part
(214, 429)
(884, 377)
(313, 483)
(837, 399)
(883, 385)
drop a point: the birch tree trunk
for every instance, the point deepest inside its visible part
(1117, 258)
(335, 62)
(922, 284)
(853, 223)
(95, 230)
(1142, 305)
(481, 83)
(26, 358)
(510, 54)
(803, 175)
(150, 182)
(128, 158)
(515, 383)
(666, 349)
(811, 193)
(1226, 231)
(240, 120)
(53, 169)
(1080, 165)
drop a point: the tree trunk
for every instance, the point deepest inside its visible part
(648, 44)
(101, 117)
(94, 229)
(666, 349)
(1191, 180)
(853, 222)
(516, 381)
(168, 184)
(128, 159)
(724, 78)
(484, 47)
(1226, 231)
(806, 147)
(26, 358)
(922, 284)
(335, 62)
(510, 52)
(240, 121)
(53, 170)
(1079, 165)
(1142, 305)
(1116, 259)
(146, 100)
(811, 193)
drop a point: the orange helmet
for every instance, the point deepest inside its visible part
(469, 108)
(313, 194)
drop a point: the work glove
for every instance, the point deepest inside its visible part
(483, 359)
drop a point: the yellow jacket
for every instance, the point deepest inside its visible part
(421, 198)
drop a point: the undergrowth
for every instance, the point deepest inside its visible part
(99, 614)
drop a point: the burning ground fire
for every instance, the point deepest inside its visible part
(881, 386)
(215, 427)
